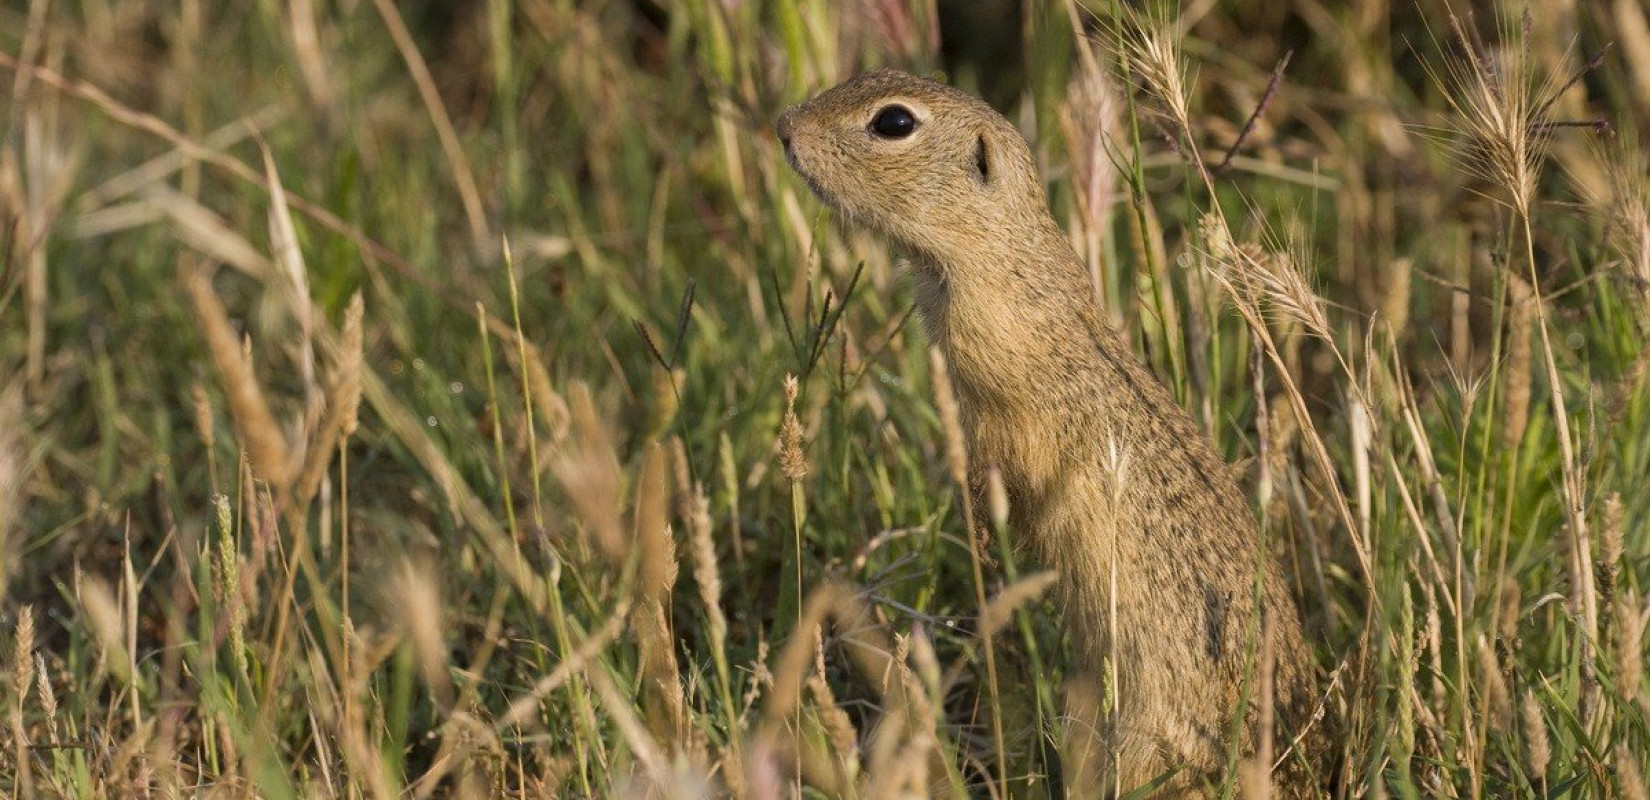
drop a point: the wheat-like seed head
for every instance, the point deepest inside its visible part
(1536, 746)
(705, 569)
(1625, 204)
(266, 445)
(1629, 646)
(22, 657)
(653, 537)
(1521, 319)
(1629, 774)
(793, 457)
(1499, 106)
(1151, 47)
(1090, 119)
(1022, 592)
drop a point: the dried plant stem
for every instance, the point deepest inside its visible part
(957, 459)
(265, 443)
(1574, 481)
(22, 680)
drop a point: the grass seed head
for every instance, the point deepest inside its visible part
(1499, 105)
(1151, 47)
(1629, 646)
(22, 664)
(1629, 774)
(1521, 320)
(653, 535)
(266, 445)
(1536, 746)
(793, 458)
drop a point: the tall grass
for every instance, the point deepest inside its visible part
(463, 399)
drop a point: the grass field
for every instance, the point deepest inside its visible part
(464, 399)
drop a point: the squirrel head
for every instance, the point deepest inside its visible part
(932, 167)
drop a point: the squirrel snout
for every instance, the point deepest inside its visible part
(784, 125)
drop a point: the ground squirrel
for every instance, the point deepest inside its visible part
(1109, 480)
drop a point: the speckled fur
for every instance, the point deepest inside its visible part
(1109, 480)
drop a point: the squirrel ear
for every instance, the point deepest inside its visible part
(982, 161)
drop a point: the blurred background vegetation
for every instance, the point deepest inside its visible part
(393, 395)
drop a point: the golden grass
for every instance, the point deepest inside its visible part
(288, 533)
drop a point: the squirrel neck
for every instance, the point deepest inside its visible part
(1014, 315)
(1045, 384)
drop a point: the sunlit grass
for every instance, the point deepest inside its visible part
(519, 426)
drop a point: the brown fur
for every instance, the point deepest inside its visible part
(1109, 479)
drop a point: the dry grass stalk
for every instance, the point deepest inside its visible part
(48, 697)
(12, 457)
(310, 55)
(1248, 274)
(1515, 410)
(343, 405)
(266, 446)
(956, 457)
(666, 399)
(635, 733)
(1500, 108)
(228, 586)
(652, 535)
(552, 408)
(208, 233)
(1090, 120)
(1276, 281)
(589, 471)
(1020, 593)
(996, 494)
(46, 172)
(903, 753)
(1626, 213)
(163, 166)
(283, 238)
(103, 617)
(1507, 615)
(662, 695)
(1152, 50)
(945, 399)
(418, 602)
(524, 708)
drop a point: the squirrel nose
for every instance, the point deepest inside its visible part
(784, 125)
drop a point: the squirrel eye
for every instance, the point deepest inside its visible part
(893, 122)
